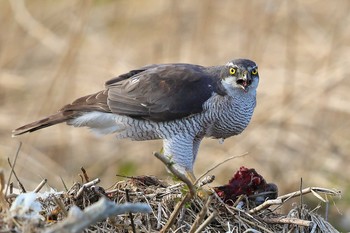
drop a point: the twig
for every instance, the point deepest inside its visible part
(322, 225)
(13, 170)
(200, 216)
(64, 184)
(60, 205)
(265, 205)
(326, 211)
(300, 189)
(238, 201)
(42, 183)
(181, 221)
(130, 214)
(295, 221)
(159, 215)
(86, 185)
(281, 199)
(175, 212)
(127, 177)
(11, 187)
(10, 176)
(314, 227)
(81, 177)
(10, 196)
(2, 181)
(14, 173)
(256, 224)
(219, 164)
(86, 177)
(309, 190)
(206, 222)
(251, 231)
(178, 174)
(78, 220)
(206, 180)
(318, 196)
(2, 186)
(241, 212)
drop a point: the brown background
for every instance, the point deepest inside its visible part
(52, 52)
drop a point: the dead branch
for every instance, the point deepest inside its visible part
(265, 205)
(206, 222)
(309, 190)
(12, 167)
(14, 173)
(206, 180)
(86, 177)
(78, 220)
(295, 221)
(2, 187)
(177, 173)
(281, 199)
(130, 214)
(200, 216)
(42, 183)
(87, 185)
(60, 205)
(175, 213)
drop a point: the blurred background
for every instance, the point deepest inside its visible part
(52, 52)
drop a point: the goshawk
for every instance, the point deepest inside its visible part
(179, 103)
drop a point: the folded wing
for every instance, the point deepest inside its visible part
(156, 92)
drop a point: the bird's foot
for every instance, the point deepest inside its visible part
(202, 192)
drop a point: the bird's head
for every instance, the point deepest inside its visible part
(241, 75)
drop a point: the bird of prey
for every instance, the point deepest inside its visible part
(179, 103)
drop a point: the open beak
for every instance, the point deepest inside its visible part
(244, 81)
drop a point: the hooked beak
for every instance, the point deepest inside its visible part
(244, 81)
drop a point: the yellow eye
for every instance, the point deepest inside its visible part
(232, 70)
(255, 71)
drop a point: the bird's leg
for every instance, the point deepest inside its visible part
(196, 142)
(179, 149)
(201, 191)
(182, 151)
(195, 147)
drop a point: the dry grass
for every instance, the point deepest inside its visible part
(172, 208)
(66, 49)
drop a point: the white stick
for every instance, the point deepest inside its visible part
(78, 220)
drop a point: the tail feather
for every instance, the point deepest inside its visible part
(95, 102)
(43, 123)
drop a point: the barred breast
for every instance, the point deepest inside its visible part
(231, 115)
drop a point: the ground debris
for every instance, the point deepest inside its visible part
(200, 213)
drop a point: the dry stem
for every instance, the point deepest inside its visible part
(200, 216)
(219, 164)
(178, 174)
(295, 221)
(87, 185)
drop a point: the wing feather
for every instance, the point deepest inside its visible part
(155, 92)
(163, 92)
